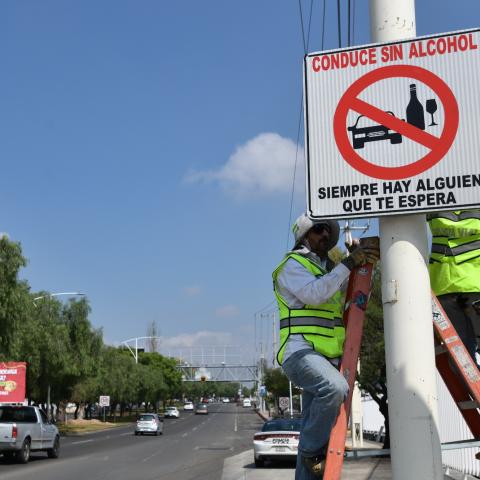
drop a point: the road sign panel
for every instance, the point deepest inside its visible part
(391, 128)
(104, 401)
(284, 403)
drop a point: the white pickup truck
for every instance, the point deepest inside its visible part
(24, 429)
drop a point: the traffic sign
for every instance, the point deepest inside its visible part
(104, 401)
(391, 128)
(284, 403)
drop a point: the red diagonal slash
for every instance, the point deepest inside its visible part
(394, 123)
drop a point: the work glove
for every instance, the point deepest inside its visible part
(351, 246)
(360, 256)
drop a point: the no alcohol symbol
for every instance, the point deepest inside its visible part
(393, 128)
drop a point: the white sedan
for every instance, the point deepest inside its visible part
(171, 412)
(188, 406)
(149, 423)
(277, 440)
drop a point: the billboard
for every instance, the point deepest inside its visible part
(12, 382)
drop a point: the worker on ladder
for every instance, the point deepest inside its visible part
(308, 289)
(455, 270)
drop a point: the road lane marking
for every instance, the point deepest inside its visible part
(235, 428)
(126, 433)
(81, 441)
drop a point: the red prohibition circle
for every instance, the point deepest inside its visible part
(439, 146)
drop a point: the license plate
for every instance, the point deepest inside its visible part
(280, 449)
(280, 441)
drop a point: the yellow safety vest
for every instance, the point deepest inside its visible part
(455, 257)
(321, 325)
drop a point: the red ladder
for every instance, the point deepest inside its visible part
(356, 300)
(456, 367)
(458, 370)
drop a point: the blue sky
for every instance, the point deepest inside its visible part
(148, 151)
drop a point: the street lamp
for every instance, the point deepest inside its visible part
(49, 295)
(58, 294)
(136, 339)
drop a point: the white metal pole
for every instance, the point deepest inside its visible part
(274, 343)
(412, 391)
(291, 399)
(136, 350)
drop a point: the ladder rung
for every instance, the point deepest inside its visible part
(474, 442)
(468, 405)
(369, 452)
(439, 349)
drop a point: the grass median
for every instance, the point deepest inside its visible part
(77, 427)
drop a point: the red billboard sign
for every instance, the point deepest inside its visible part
(12, 382)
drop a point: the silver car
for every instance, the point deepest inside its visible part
(277, 440)
(149, 423)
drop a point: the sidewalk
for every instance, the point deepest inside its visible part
(241, 467)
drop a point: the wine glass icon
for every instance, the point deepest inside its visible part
(431, 108)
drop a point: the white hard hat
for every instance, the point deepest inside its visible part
(303, 224)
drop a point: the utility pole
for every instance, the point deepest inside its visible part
(406, 297)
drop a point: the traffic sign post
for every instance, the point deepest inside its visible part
(104, 401)
(284, 403)
(391, 127)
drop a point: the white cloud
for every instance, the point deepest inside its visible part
(227, 311)
(192, 291)
(263, 165)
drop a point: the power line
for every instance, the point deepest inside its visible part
(349, 24)
(323, 22)
(353, 23)
(339, 25)
(294, 171)
(301, 23)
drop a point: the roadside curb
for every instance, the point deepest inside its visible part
(262, 415)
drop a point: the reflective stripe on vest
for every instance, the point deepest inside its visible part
(455, 255)
(311, 321)
(321, 325)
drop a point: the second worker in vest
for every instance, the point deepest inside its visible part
(308, 290)
(455, 270)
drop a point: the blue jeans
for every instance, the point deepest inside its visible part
(324, 390)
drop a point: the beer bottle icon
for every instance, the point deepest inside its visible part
(415, 113)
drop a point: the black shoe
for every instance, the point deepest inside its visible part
(315, 464)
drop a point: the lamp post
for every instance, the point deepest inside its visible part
(50, 295)
(136, 339)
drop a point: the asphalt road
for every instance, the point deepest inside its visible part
(191, 447)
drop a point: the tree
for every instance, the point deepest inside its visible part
(13, 294)
(276, 382)
(372, 377)
(152, 333)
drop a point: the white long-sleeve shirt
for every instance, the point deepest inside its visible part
(300, 287)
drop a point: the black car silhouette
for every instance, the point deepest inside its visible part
(360, 135)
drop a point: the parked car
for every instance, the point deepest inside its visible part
(188, 406)
(24, 429)
(171, 412)
(277, 440)
(201, 409)
(247, 403)
(226, 400)
(149, 423)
